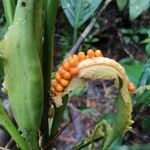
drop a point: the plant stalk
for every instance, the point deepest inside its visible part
(49, 28)
(75, 33)
(9, 126)
(9, 8)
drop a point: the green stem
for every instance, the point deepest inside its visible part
(86, 143)
(75, 31)
(9, 8)
(9, 126)
(50, 16)
(33, 142)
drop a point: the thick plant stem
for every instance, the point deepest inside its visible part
(9, 126)
(9, 8)
(50, 15)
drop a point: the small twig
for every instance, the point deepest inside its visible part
(10, 143)
(88, 143)
(122, 43)
(137, 114)
(135, 45)
(77, 123)
(60, 131)
(2, 148)
(87, 30)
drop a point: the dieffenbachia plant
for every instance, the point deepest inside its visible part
(78, 69)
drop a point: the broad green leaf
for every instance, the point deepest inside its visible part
(142, 30)
(145, 77)
(121, 4)
(144, 80)
(133, 70)
(143, 98)
(108, 116)
(78, 11)
(136, 7)
(117, 142)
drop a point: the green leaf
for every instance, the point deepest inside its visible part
(11, 129)
(147, 40)
(146, 123)
(121, 4)
(143, 81)
(135, 38)
(127, 31)
(3, 30)
(108, 116)
(147, 49)
(143, 30)
(136, 7)
(144, 98)
(145, 77)
(9, 8)
(135, 147)
(85, 109)
(79, 11)
(133, 70)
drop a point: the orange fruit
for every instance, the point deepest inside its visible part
(58, 87)
(73, 61)
(87, 57)
(98, 53)
(53, 82)
(57, 93)
(58, 76)
(90, 53)
(131, 87)
(64, 74)
(64, 82)
(81, 56)
(66, 65)
(74, 71)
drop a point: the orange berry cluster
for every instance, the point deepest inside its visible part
(69, 69)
